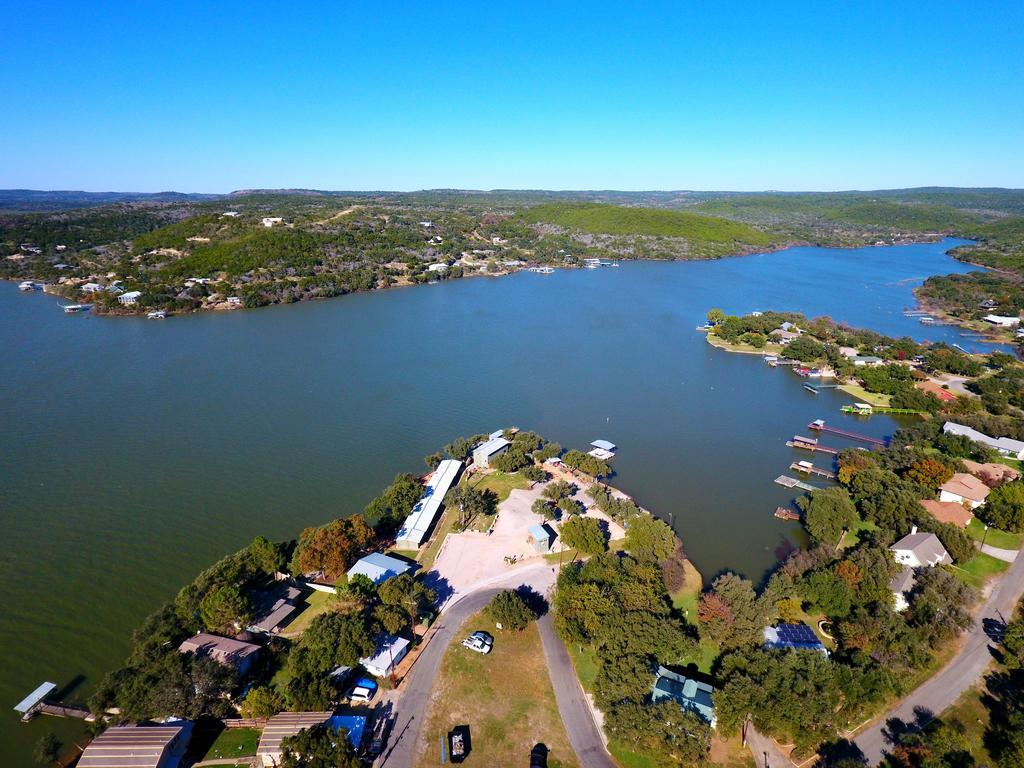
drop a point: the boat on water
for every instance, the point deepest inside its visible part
(705, 327)
(30, 285)
(72, 308)
(158, 314)
(784, 513)
(542, 270)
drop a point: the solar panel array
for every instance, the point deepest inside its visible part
(797, 636)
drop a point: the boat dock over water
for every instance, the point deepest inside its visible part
(785, 513)
(791, 482)
(820, 426)
(809, 444)
(864, 409)
(807, 468)
(36, 704)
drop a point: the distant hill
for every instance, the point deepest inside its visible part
(59, 200)
(600, 219)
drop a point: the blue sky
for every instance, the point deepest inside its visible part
(393, 95)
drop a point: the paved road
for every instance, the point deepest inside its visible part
(403, 742)
(572, 703)
(961, 673)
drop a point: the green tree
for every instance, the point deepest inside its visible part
(267, 556)
(1004, 508)
(409, 594)
(261, 702)
(509, 609)
(48, 749)
(666, 731)
(827, 513)
(715, 316)
(584, 534)
(543, 508)
(731, 614)
(224, 607)
(469, 503)
(558, 490)
(319, 747)
(648, 537)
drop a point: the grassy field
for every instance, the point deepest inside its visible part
(747, 349)
(504, 697)
(312, 606)
(980, 569)
(601, 219)
(234, 742)
(970, 713)
(852, 537)
(995, 537)
(685, 599)
(429, 553)
(871, 398)
(500, 482)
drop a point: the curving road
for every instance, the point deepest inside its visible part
(966, 668)
(572, 707)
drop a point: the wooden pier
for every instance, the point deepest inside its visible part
(795, 443)
(809, 469)
(791, 482)
(820, 426)
(785, 513)
(65, 710)
(863, 409)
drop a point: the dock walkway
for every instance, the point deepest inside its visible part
(791, 482)
(820, 426)
(812, 470)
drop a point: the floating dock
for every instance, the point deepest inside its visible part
(807, 468)
(785, 513)
(791, 482)
(820, 426)
(863, 409)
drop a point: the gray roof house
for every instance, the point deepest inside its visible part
(1004, 445)
(493, 448)
(902, 583)
(688, 693)
(918, 550)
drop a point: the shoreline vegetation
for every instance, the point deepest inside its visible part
(256, 248)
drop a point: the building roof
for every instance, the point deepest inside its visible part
(1006, 444)
(967, 486)
(866, 359)
(991, 473)
(540, 532)
(604, 445)
(492, 446)
(417, 524)
(926, 547)
(798, 636)
(934, 388)
(948, 512)
(223, 650)
(903, 581)
(35, 697)
(690, 694)
(273, 609)
(378, 567)
(355, 725)
(285, 725)
(130, 746)
(1003, 319)
(388, 647)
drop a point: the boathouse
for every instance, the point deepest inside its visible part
(138, 746)
(483, 454)
(419, 522)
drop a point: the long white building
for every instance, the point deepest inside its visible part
(422, 517)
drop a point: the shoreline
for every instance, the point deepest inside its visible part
(741, 253)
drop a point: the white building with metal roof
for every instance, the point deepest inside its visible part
(419, 522)
(493, 448)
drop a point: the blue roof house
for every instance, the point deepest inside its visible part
(690, 694)
(541, 537)
(378, 567)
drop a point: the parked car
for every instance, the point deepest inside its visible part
(363, 690)
(481, 642)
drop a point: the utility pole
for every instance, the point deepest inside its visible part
(984, 536)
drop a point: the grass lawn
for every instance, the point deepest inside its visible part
(852, 537)
(970, 713)
(730, 753)
(584, 659)
(312, 606)
(685, 599)
(429, 553)
(872, 398)
(996, 538)
(748, 349)
(501, 483)
(234, 742)
(504, 697)
(980, 569)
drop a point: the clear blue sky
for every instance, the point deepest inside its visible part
(212, 97)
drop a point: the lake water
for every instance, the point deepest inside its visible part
(134, 452)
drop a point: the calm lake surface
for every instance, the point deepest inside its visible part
(134, 453)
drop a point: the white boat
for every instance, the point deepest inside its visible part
(71, 308)
(30, 285)
(543, 270)
(591, 266)
(158, 314)
(615, 264)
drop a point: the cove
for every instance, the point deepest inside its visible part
(136, 452)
